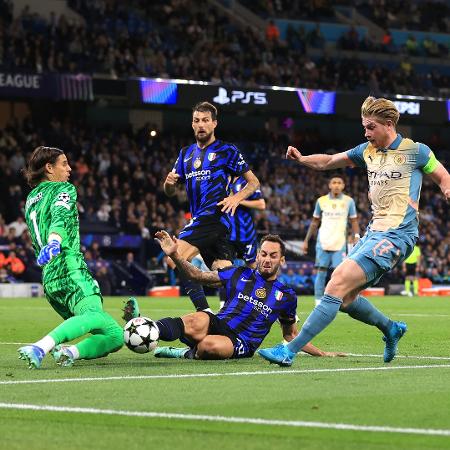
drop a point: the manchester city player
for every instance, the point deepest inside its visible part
(52, 217)
(243, 232)
(395, 167)
(256, 299)
(332, 212)
(204, 168)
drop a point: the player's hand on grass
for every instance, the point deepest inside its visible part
(172, 178)
(169, 245)
(229, 204)
(49, 251)
(334, 354)
(293, 153)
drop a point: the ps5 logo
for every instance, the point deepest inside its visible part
(412, 108)
(255, 98)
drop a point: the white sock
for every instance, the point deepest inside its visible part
(221, 304)
(74, 350)
(46, 343)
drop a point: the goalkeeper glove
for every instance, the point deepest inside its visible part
(52, 249)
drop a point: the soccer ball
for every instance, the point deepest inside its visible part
(141, 335)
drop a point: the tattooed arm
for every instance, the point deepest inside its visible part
(169, 246)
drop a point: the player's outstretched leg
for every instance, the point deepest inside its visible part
(170, 352)
(398, 329)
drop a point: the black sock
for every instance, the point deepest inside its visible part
(190, 354)
(170, 329)
(196, 294)
(223, 295)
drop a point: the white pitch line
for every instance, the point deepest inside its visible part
(228, 419)
(443, 358)
(226, 374)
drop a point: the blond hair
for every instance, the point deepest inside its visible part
(380, 108)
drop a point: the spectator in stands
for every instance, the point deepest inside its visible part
(19, 226)
(14, 265)
(272, 32)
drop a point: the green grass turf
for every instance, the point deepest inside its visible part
(407, 398)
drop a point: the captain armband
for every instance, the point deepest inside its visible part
(431, 164)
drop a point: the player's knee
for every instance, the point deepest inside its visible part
(208, 349)
(196, 324)
(115, 333)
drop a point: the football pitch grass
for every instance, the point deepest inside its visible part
(136, 401)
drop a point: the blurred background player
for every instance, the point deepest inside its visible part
(411, 267)
(395, 168)
(204, 167)
(256, 299)
(243, 232)
(332, 212)
(52, 218)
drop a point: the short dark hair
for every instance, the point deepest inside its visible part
(34, 172)
(274, 238)
(206, 107)
(337, 175)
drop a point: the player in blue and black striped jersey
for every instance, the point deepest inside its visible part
(204, 167)
(256, 299)
(243, 232)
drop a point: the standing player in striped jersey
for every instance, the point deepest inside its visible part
(243, 231)
(204, 167)
(395, 167)
(256, 299)
(52, 218)
(332, 212)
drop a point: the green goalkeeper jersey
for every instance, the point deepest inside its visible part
(51, 207)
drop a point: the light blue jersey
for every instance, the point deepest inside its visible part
(395, 179)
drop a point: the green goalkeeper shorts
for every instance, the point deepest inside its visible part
(65, 293)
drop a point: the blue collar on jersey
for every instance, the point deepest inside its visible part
(338, 197)
(394, 145)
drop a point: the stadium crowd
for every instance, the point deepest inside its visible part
(179, 39)
(119, 179)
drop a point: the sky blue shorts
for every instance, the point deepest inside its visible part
(327, 259)
(378, 252)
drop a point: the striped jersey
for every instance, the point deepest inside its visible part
(242, 226)
(254, 304)
(51, 207)
(205, 173)
(395, 179)
(334, 213)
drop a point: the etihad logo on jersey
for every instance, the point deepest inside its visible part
(199, 174)
(31, 201)
(259, 306)
(382, 178)
(243, 97)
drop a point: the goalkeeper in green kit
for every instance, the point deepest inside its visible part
(52, 218)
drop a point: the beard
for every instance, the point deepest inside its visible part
(205, 137)
(265, 273)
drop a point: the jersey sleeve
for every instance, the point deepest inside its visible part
(256, 195)
(356, 155)
(178, 167)
(317, 210)
(63, 208)
(426, 159)
(226, 273)
(289, 312)
(236, 163)
(352, 209)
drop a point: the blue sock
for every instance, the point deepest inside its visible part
(319, 284)
(321, 316)
(361, 309)
(196, 294)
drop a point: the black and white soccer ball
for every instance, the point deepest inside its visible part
(141, 335)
